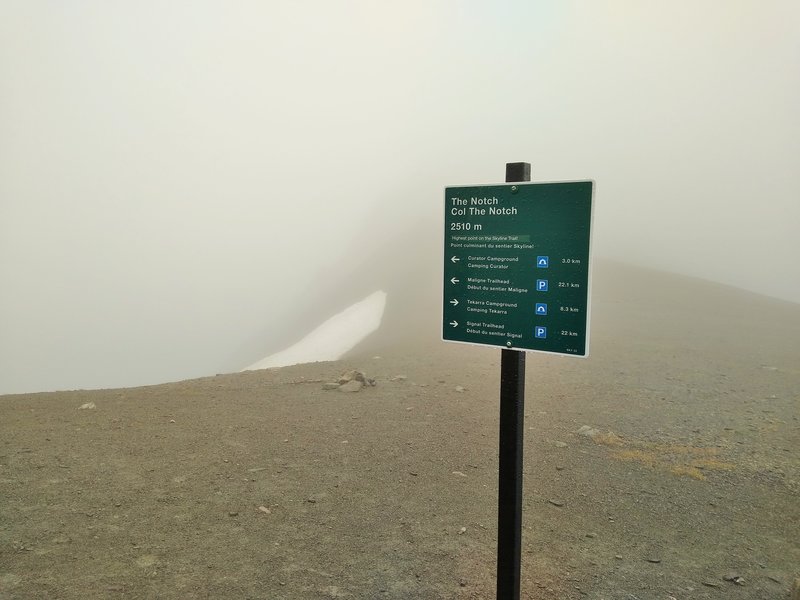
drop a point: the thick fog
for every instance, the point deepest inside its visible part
(185, 186)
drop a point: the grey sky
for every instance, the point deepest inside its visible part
(169, 164)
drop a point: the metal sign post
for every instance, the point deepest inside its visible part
(512, 425)
(516, 276)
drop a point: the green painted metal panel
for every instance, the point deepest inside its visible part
(517, 266)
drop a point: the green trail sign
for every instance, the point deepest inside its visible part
(516, 266)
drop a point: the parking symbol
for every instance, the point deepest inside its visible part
(540, 332)
(541, 308)
(542, 262)
(541, 285)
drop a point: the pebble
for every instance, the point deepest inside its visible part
(88, 405)
(233, 513)
(588, 431)
(556, 502)
(265, 510)
(459, 388)
(560, 444)
(462, 531)
(655, 561)
(351, 386)
(330, 386)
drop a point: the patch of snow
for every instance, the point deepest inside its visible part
(332, 339)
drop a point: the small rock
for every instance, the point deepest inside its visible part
(734, 578)
(462, 531)
(459, 473)
(398, 378)
(618, 556)
(588, 431)
(710, 584)
(355, 375)
(351, 386)
(88, 405)
(265, 510)
(591, 535)
(560, 444)
(459, 388)
(559, 468)
(655, 561)
(311, 500)
(172, 420)
(233, 513)
(462, 582)
(556, 502)
(330, 386)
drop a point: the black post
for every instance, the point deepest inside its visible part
(512, 422)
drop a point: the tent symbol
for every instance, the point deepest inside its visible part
(542, 262)
(541, 308)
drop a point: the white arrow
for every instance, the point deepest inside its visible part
(455, 259)
(454, 323)
(454, 280)
(454, 302)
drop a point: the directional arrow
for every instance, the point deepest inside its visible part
(454, 280)
(454, 323)
(454, 302)
(455, 259)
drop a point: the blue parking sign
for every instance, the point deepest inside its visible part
(540, 332)
(541, 285)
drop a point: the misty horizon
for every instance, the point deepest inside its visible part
(181, 190)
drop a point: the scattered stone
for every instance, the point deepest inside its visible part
(459, 473)
(559, 468)
(172, 420)
(265, 510)
(330, 386)
(734, 578)
(655, 561)
(88, 405)
(233, 513)
(591, 535)
(256, 469)
(560, 444)
(311, 500)
(462, 582)
(556, 502)
(398, 378)
(459, 388)
(710, 584)
(351, 386)
(588, 431)
(462, 531)
(355, 375)
(618, 556)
